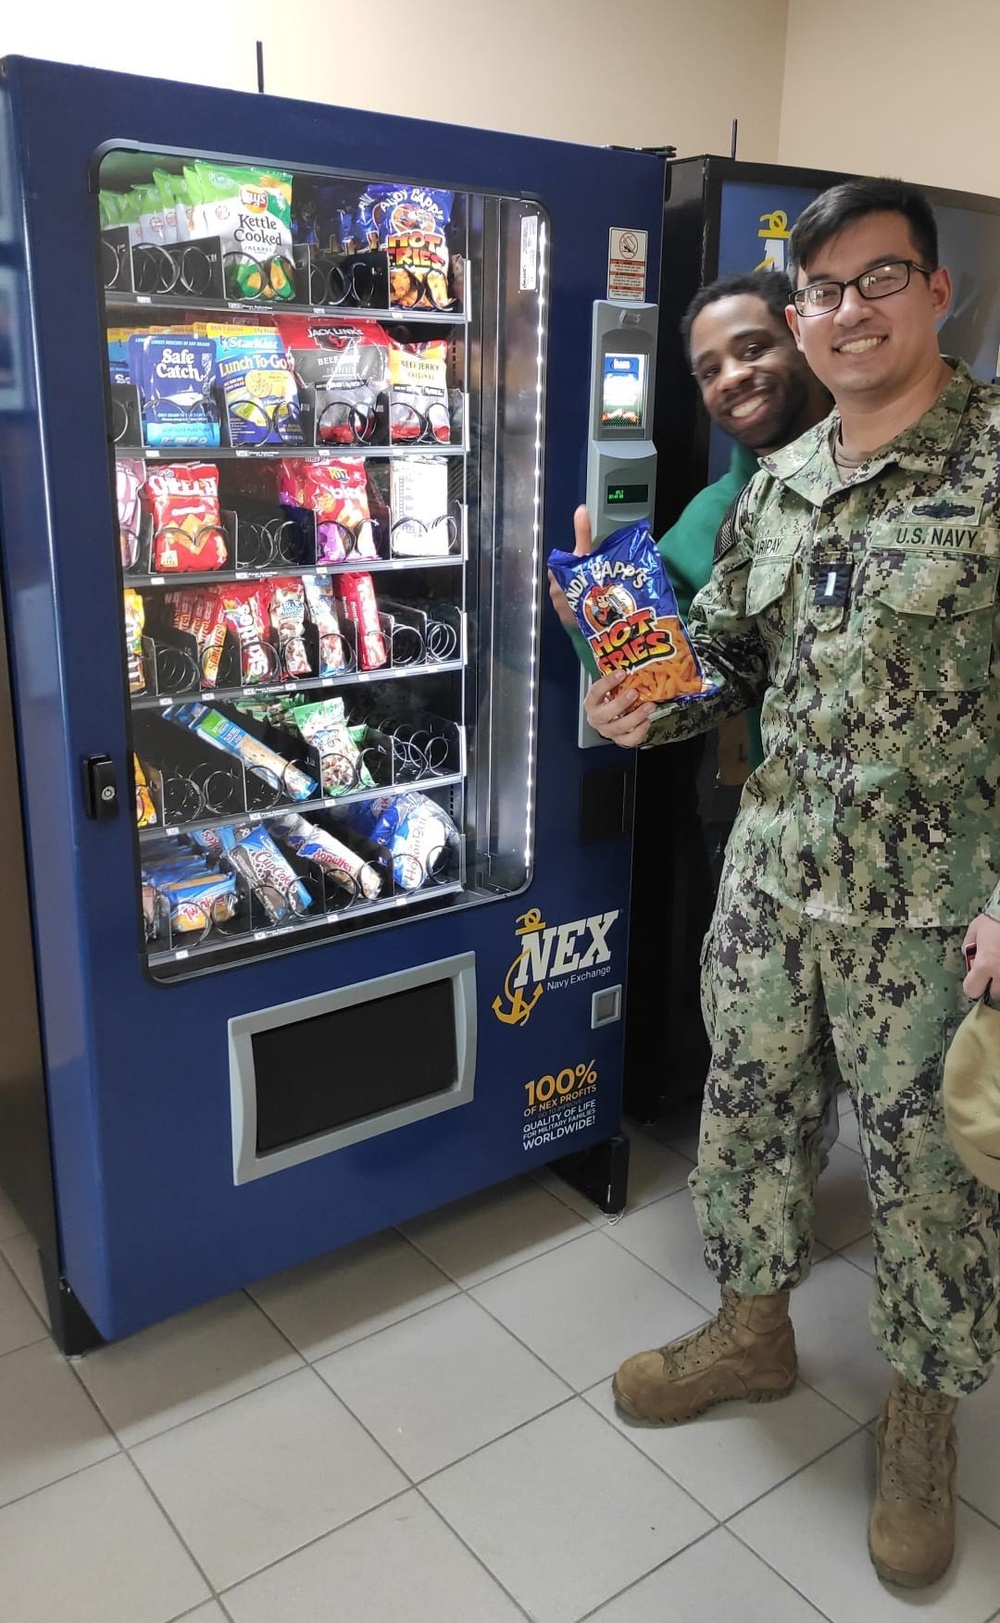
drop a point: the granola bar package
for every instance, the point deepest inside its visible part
(625, 606)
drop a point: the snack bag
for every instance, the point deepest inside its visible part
(418, 499)
(337, 493)
(145, 809)
(250, 210)
(344, 366)
(418, 393)
(409, 223)
(333, 651)
(174, 375)
(135, 617)
(625, 607)
(324, 726)
(187, 524)
(130, 476)
(262, 401)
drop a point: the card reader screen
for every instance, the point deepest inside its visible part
(623, 392)
(626, 495)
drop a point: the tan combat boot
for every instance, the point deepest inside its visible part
(911, 1535)
(746, 1351)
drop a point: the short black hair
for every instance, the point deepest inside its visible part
(853, 200)
(771, 286)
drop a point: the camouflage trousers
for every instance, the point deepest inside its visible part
(776, 987)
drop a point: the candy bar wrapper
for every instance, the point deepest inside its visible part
(245, 611)
(275, 884)
(145, 809)
(227, 735)
(135, 619)
(625, 606)
(357, 599)
(333, 652)
(313, 844)
(288, 617)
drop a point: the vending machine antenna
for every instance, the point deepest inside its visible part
(260, 66)
(732, 138)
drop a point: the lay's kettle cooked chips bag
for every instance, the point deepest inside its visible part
(625, 606)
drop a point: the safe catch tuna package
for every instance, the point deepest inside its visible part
(625, 606)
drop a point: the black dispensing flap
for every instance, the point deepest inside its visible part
(605, 804)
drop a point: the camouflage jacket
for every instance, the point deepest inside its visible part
(865, 617)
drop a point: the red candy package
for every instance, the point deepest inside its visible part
(357, 601)
(183, 499)
(245, 610)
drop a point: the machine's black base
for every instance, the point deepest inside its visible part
(72, 1330)
(600, 1173)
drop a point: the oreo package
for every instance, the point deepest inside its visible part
(625, 606)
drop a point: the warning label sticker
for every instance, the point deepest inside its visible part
(627, 264)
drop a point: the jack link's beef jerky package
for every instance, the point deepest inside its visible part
(625, 607)
(342, 367)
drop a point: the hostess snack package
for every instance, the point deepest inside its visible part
(253, 855)
(417, 832)
(310, 843)
(625, 606)
(409, 223)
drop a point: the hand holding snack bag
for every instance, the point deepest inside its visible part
(624, 604)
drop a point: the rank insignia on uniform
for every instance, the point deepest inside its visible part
(831, 583)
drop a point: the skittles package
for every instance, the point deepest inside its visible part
(625, 606)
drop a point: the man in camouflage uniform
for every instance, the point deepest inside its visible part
(855, 594)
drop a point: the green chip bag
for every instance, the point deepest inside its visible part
(250, 210)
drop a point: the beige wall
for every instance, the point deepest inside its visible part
(647, 72)
(895, 87)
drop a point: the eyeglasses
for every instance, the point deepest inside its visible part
(822, 298)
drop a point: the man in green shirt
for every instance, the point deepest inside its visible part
(756, 386)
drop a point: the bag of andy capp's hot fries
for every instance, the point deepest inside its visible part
(625, 606)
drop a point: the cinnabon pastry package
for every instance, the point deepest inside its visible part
(625, 606)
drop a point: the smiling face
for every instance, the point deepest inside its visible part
(872, 351)
(753, 381)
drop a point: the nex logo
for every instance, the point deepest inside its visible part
(550, 951)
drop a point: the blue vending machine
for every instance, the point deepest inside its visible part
(317, 915)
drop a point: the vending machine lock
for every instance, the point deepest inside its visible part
(100, 790)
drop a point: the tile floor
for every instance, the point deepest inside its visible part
(419, 1430)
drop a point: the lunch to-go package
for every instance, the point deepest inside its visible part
(625, 606)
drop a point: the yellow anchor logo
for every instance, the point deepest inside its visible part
(774, 228)
(520, 1006)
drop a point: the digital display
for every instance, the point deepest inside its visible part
(623, 392)
(624, 495)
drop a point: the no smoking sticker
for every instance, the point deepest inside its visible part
(627, 264)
